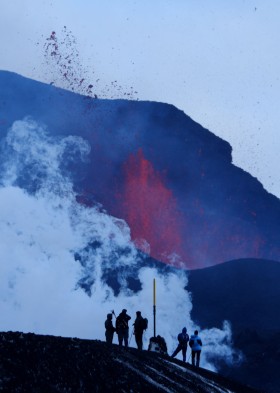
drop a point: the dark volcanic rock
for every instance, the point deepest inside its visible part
(33, 363)
(246, 293)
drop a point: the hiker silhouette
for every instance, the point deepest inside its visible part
(122, 327)
(183, 339)
(139, 327)
(196, 346)
(109, 329)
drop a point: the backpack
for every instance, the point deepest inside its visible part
(157, 344)
(153, 346)
(121, 323)
(144, 323)
(183, 339)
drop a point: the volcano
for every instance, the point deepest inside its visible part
(150, 164)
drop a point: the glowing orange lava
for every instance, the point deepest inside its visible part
(151, 210)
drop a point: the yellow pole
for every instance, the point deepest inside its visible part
(154, 306)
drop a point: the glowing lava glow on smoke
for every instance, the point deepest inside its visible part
(195, 214)
(162, 230)
(151, 211)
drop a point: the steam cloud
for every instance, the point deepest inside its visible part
(43, 227)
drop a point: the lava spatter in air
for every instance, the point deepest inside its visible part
(65, 69)
(63, 63)
(151, 210)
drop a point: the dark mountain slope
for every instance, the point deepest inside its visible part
(168, 177)
(246, 293)
(32, 363)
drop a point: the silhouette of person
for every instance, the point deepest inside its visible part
(158, 344)
(196, 346)
(183, 339)
(109, 329)
(122, 327)
(138, 330)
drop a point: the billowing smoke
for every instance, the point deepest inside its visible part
(45, 288)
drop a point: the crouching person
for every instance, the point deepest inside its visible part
(158, 344)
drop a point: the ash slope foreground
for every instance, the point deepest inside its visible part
(171, 180)
(34, 363)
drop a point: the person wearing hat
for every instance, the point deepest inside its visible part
(183, 339)
(122, 327)
(109, 329)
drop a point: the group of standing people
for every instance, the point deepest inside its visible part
(194, 342)
(122, 328)
(140, 324)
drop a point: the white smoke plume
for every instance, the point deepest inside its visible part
(43, 228)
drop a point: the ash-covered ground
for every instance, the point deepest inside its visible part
(35, 363)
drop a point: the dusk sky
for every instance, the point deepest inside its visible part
(216, 60)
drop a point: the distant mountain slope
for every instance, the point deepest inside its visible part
(168, 177)
(33, 363)
(246, 292)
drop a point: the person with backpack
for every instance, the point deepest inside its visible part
(183, 339)
(140, 324)
(109, 329)
(196, 346)
(122, 327)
